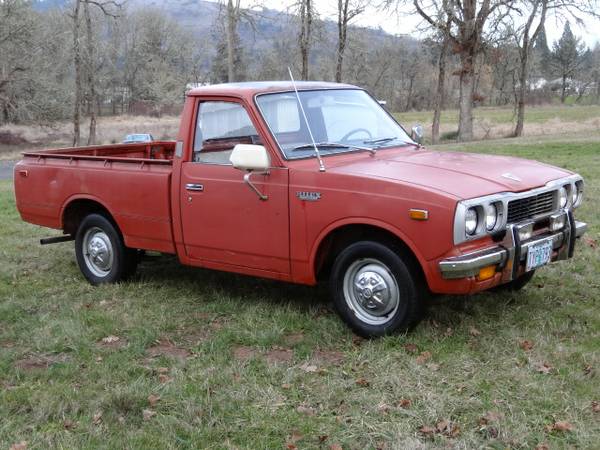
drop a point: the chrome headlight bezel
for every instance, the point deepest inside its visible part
(500, 202)
(577, 193)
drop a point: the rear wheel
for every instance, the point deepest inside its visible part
(375, 291)
(101, 254)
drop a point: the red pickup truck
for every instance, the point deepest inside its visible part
(307, 183)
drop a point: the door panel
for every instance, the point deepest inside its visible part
(226, 222)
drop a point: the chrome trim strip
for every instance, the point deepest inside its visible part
(468, 265)
(557, 242)
(580, 228)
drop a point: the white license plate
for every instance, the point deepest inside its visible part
(539, 255)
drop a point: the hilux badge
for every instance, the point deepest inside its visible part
(308, 196)
(510, 176)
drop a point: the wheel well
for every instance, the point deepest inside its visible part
(77, 210)
(338, 239)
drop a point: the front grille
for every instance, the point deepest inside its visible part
(528, 207)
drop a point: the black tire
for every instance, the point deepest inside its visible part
(364, 264)
(517, 284)
(113, 262)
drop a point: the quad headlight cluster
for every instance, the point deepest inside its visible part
(484, 217)
(478, 217)
(570, 195)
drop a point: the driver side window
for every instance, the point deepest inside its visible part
(220, 126)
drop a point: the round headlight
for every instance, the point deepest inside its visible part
(562, 197)
(471, 221)
(491, 216)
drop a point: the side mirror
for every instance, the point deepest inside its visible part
(253, 159)
(416, 134)
(250, 157)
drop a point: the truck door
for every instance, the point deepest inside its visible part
(223, 220)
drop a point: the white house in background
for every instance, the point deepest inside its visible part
(537, 83)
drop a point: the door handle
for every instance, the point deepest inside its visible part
(194, 187)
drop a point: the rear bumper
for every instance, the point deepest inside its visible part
(509, 255)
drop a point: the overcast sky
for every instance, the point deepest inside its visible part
(409, 24)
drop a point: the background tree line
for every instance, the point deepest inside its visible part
(65, 59)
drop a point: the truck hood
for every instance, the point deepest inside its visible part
(463, 175)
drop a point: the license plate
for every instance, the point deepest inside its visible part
(539, 255)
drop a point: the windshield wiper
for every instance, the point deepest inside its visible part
(332, 145)
(380, 140)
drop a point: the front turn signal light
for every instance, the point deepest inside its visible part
(485, 273)
(418, 214)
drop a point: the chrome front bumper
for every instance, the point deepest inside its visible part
(510, 252)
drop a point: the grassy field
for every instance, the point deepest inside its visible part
(533, 114)
(498, 122)
(187, 358)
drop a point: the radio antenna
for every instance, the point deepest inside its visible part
(314, 143)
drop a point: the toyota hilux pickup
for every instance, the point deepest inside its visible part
(304, 183)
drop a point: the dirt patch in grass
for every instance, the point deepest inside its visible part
(164, 347)
(36, 362)
(293, 338)
(244, 353)
(7, 344)
(193, 338)
(328, 357)
(279, 355)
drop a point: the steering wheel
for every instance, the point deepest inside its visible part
(356, 130)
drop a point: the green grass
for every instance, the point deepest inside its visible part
(499, 115)
(211, 399)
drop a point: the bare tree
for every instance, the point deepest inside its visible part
(306, 10)
(16, 37)
(439, 95)
(90, 71)
(106, 7)
(536, 10)
(233, 15)
(75, 16)
(347, 10)
(468, 19)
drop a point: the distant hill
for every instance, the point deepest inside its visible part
(200, 16)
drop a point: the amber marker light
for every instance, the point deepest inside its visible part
(485, 273)
(418, 214)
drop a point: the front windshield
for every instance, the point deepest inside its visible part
(341, 120)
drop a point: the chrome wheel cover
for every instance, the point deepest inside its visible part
(371, 291)
(97, 252)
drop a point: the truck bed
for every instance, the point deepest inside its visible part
(132, 181)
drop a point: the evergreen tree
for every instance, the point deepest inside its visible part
(567, 59)
(541, 54)
(219, 68)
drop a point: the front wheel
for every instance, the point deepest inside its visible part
(101, 254)
(374, 290)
